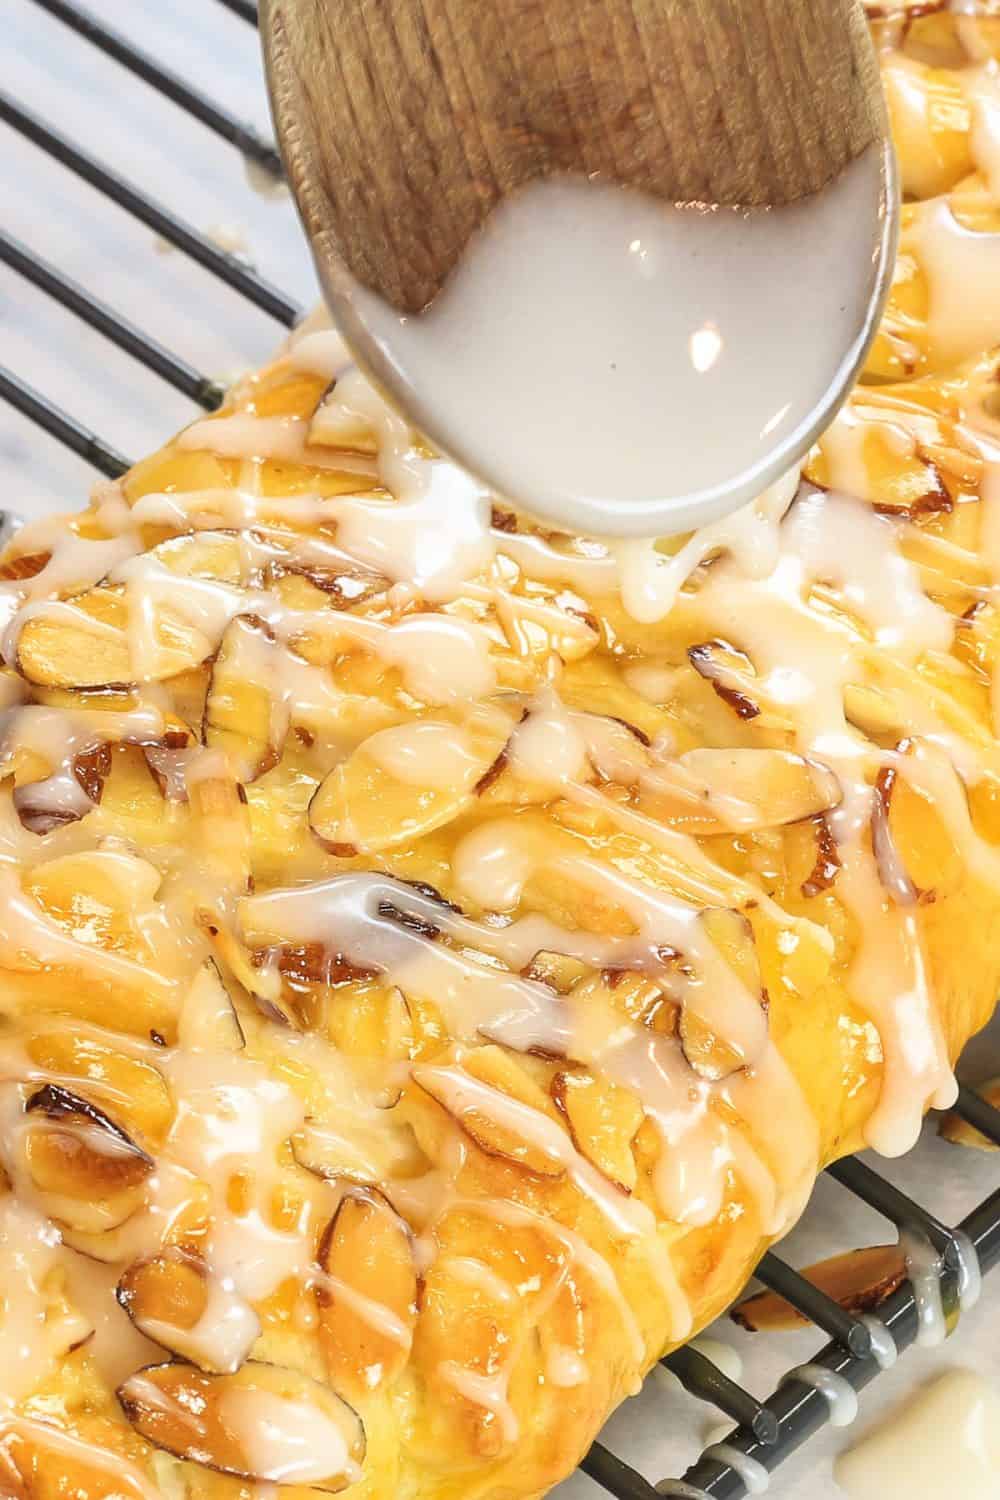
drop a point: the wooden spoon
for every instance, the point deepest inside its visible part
(405, 123)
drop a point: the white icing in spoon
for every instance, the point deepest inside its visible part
(610, 331)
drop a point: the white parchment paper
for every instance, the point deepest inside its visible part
(154, 144)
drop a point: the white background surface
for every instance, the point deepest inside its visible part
(154, 144)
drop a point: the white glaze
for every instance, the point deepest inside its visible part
(286, 1441)
(753, 1473)
(884, 1348)
(923, 1267)
(945, 1441)
(839, 1394)
(637, 342)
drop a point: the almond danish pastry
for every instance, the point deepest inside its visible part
(438, 954)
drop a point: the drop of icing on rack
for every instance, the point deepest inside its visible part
(945, 1441)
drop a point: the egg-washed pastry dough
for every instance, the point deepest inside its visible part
(437, 954)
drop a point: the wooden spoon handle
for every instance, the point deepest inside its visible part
(404, 122)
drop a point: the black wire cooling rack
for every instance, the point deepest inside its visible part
(767, 1431)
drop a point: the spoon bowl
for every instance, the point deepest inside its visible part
(622, 259)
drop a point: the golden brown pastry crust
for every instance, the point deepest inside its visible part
(437, 957)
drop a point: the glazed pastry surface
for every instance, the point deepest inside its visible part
(438, 954)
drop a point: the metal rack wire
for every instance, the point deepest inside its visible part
(767, 1431)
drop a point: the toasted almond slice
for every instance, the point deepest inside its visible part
(730, 673)
(710, 1056)
(243, 714)
(91, 1173)
(208, 1021)
(750, 789)
(134, 1090)
(603, 1119)
(262, 985)
(501, 1108)
(83, 644)
(859, 1280)
(86, 642)
(263, 1423)
(404, 782)
(335, 425)
(732, 937)
(960, 1133)
(173, 1299)
(557, 970)
(365, 1151)
(341, 586)
(111, 715)
(895, 484)
(892, 873)
(873, 711)
(368, 1296)
(98, 891)
(713, 1056)
(220, 828)
(377, 1024)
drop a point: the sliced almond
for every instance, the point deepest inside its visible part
(368, 1297)
(750, 789)
(263, 1423)
(404, 782)
(341, 586)
(557, 970)
(220, 828)
(895, 483)
(501, 1108)
(208, 1021)
(712, 1056)
(878, 714)
(363, 1150)
(108, 1077)
(603, 1120)
(263, 986)
(960, 1133)
(173, 1299)
(335, 425)
(244, 714)
(859, 1280)
(90, 1172)
(89, 648)
(731, 934)
(101, 897)
(730, 674)
(377, 1024)
(87, 643)
(892, 873)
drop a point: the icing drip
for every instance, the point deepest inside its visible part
(884, 1348)
(923, 1267)
(839, 1394)
(753, 1474)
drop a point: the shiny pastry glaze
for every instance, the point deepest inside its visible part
(568, 903)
